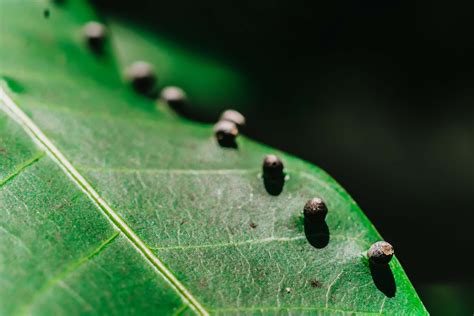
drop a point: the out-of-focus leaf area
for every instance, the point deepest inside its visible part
(380, 94)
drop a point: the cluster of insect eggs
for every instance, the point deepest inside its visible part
(143, 79)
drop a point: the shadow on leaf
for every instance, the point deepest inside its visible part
(228, 143)
(383, 279)
(274, 186)
(317, 232)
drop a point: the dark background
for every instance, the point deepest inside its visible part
(378, 93)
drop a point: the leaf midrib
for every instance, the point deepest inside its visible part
(15, 112)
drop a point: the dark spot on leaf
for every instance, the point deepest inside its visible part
(253, 225)
(62, 205)
(202, 283)
(315, 283)
(3, 151)
(183, 222)
(46, 13)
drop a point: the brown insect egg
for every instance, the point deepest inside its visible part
(272, 167)
(380, 252)
(95, 34)
(142, 77)
(233, 116)
(226, 132)
(315, 209)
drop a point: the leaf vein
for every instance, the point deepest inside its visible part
(14, 111)
(18, 169)
(67, 271)
(289, 308)
(254, 241)
(330, 287)
(170, 171)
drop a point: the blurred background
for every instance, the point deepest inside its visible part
(380, 94)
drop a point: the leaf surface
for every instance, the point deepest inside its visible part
(110, 205)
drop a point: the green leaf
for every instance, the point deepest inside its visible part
(110, 205)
